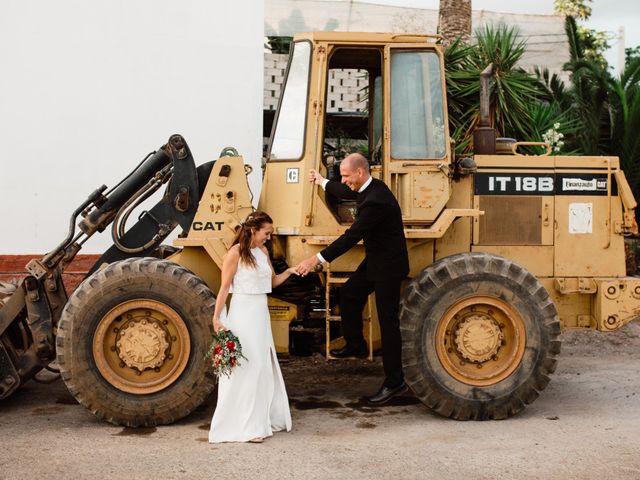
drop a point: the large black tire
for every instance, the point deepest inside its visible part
(155, 316)
(480, 337)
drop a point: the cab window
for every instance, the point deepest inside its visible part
(288, 138)
(417, 113)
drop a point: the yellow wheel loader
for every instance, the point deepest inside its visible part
(505, 249)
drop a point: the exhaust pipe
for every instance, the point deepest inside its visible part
(484, 136)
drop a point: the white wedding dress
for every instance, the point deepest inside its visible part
(252, 401)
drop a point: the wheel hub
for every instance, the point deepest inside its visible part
(142, 344)
(478, 338)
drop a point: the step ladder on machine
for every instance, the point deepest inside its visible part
(337, 279)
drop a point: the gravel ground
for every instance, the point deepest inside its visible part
(586, 424)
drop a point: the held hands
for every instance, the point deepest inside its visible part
(307, 265)
(315, 177)
(292, 271)
(277, 280)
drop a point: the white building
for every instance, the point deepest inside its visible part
(89, 88)
(544, 34)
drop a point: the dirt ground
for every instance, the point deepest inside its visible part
(585, 425)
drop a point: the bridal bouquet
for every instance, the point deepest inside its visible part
(224, 352)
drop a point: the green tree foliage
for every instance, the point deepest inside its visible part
(596, 114)
(278, 44)
(594, 43)
(573, 8)
(630, 54)
(606, 108)
(521, 105)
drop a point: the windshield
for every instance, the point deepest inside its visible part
(288, 138)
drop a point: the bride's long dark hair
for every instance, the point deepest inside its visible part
(254, 222)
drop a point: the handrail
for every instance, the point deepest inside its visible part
(609, 226)
(308, 220)
(442, 224)
(437, 230)
(514, 148)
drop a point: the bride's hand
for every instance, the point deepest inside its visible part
(292, 271)
(217, 326)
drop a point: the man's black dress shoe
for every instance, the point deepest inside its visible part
(347, 352)
(386, 393)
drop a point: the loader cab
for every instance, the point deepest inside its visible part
(378, 94)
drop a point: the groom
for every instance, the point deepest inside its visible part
(378, 223)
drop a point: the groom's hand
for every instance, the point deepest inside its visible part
(315, 177)
(307, 265)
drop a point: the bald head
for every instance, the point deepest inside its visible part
(355, 161)
(354, 170)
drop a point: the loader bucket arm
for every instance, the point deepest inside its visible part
(147, 226)
(34, 308)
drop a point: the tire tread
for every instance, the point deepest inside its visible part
(432, 282)
(187, 395)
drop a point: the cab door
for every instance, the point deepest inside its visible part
(416, 153)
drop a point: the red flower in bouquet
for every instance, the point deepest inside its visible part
(224, 352)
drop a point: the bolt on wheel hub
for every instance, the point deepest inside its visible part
(478, 338)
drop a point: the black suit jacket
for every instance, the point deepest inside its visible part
(378, 224)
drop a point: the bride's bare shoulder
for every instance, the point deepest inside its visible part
(234, 251)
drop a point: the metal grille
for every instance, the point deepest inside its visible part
(510, 220)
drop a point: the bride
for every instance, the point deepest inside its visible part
(252, 401)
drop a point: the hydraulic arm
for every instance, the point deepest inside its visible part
(29, 316)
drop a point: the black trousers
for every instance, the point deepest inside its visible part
(353, 297)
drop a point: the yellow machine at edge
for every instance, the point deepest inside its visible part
(505, 249)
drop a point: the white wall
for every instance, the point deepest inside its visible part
(545, 36)
(89, 88)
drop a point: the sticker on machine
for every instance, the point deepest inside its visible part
(580, 218)
(293, 175)
(581, 184)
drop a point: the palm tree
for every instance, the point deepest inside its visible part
(455, 20)
(513, 91)
(598, 114)
(607, 108)
(625, 106)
